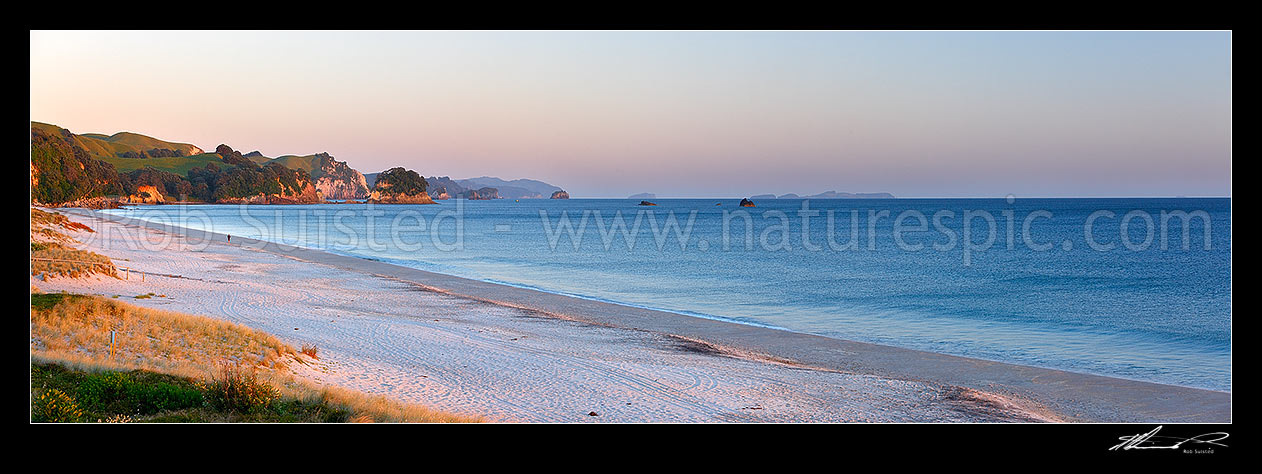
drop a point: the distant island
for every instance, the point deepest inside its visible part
(827, 195)
(642, 196)
(489, 187)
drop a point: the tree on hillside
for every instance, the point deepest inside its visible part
(400, 181)
(170, 184)
(233, 157)
(63, 171)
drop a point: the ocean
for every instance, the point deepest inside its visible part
(1135, 288)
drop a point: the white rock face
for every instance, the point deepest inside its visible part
(339, 181)
(335, 188)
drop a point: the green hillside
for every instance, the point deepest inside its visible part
(64, 169)
(125, 144)
(257, 158)
(109, 148)
(309, 163)
(176, 164)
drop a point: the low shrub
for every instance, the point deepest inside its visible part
(54, 406)
(239, 390)
(125, 392)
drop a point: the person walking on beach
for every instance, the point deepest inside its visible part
(229, 238)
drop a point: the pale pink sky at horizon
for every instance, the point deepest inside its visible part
(680, 114)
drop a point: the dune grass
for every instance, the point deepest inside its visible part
(162, 357)
(51, 257)
(56, 260)
(44, 219)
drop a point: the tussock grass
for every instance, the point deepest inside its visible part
(55, 260)
(51, 220)
(78, 326)
(52, 258)
(230, 362)
(240, 390)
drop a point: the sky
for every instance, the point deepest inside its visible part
(679, 113)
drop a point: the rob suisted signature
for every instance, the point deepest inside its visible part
(1150, 440)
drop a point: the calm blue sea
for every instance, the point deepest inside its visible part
(1084, 285)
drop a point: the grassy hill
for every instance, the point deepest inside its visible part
(309, 163)
(73, 166)
(112, 148)
(176, 164)
(257, 158)
(123, 144)
(64, 168)
(63, 171)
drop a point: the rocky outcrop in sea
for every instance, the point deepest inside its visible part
(379, 197)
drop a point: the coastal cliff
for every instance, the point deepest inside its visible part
(386, 197)
(70, 170)
(334, 179)
(482, 194)
(306, 194)
(67, 173)
(62, 170)
(144, 195)
(248, 183)
(443, 187)
(337, 180)
(514, 189)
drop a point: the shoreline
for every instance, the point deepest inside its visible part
(725, 319)
(1073, 396)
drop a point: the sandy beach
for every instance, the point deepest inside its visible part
(517, 355)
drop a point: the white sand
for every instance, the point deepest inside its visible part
(384, 336)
